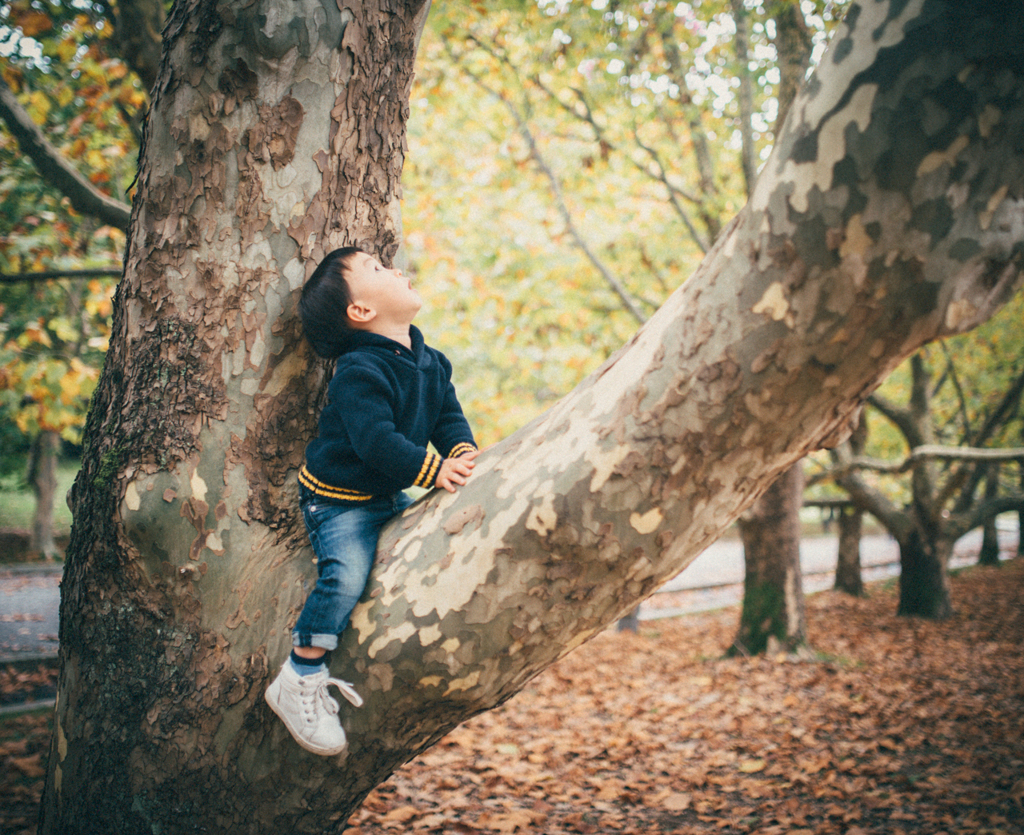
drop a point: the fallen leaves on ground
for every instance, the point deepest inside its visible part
(31, 682)
(893, 725)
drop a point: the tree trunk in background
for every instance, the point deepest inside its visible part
(848, 571)
(851, 525)
(989, 554)
(885, 218)
(770, 547)
(745, 94)
(1020, 514)
(773, 596)
(42, 476)
(924, 577)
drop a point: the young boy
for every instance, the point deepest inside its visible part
(390, 396)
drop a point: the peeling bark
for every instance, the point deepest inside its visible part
(889, 214)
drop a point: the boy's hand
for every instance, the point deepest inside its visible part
(455, 471)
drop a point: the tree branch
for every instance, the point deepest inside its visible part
(996, 419)
(931, 451)
(899, 417)
(47, 275)
(985, 510)
(865, 497)
(57, 171)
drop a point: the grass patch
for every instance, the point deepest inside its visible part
(18, 503)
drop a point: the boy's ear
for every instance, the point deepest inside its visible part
(360, 314)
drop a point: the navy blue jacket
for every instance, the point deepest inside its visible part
(384, 404)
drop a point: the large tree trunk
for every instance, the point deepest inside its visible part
(276, 134)
(773, 595)
(888, 215)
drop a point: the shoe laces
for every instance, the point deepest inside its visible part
(347, 690)
(318, 692)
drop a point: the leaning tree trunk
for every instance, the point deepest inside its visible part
(773, 594)
(888, 215)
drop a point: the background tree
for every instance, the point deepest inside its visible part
(773, 598)
(580, 144)
(186, 554)
(72, 112)
(848, 577)
(983, 383)
(48, 370)
(989, 553)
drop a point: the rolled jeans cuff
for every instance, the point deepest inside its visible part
(327, 642)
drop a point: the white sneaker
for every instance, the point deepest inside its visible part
(308, 711)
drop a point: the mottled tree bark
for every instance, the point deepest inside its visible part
(773, 595)
(276, 134)
(888, 215)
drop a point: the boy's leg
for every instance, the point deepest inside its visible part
(345, 541)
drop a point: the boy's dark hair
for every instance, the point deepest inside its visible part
(324, 303)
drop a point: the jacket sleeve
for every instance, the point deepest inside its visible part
(452, 436)
(372, 431)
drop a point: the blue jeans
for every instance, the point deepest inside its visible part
(344, 538)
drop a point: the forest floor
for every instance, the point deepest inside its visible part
(890, 725)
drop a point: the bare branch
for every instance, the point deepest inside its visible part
(866, 497)
(662, 177)
(986, 510)
(932, 451)
(47, 275)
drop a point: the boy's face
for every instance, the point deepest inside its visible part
(387, 293)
